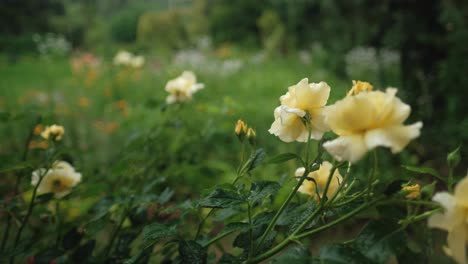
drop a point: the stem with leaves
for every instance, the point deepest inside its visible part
(28, 213)
(291, 195)
(24, 157)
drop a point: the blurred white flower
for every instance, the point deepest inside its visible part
(367, 120)
(453, 220)
(126, 58)
(51, 44)
(301, 99)
(182, 88)
(59, 179)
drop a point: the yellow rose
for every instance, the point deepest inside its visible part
(454, 220)
(368, 120)
(182, 88)
(321, 177)
(54, 131)
(301, 99)
(59, 179)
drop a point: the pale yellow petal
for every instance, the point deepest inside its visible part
(350, 148)
(461, 192)
(456, 241)
(312, 96)
(351, 115)
(449, 217)
(396, 137)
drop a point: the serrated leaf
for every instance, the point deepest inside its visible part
(154, 232)
(425, 170)
(192, 252)
(255, 159)
(283, 158)
(379, 240)
(341, 254)
(295, 254)
(165, 196)
(261, 190)
(221, 198)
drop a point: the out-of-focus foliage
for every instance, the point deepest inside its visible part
(163, 30)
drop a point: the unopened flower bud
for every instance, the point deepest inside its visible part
(359, 86)
(453, 158)
(241, 130)
(412, 191)
(251, 136)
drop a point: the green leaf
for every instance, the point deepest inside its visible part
(17, 166)
(221, 198)
(425, 170)
(295, 254)
(4, 116)
(83, 252)
(192, 252)
(453, 158)
(154, 232)
(283, 158)
(341, 254)
(261, 190)
(379, 240)
(44, 198)
(72, 238)
(165, 196)
(255, 159)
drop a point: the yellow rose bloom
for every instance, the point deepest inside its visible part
(368, 120)
(321, 177)
(302, 98)
(59, 179)
(454, 220)
(182, 88)
(54, 131)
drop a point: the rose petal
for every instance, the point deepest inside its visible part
(350, 148)
(396, 137)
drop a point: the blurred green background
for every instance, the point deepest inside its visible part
(57, 56)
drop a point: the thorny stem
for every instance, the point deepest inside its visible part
(118, 228)
(24, 157)
(372, 175)
(294, 236)
(28, 214)
(342, 184)
(58, 220)
(240, 173)
(249, 211)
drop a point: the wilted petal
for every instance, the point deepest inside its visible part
(396, 138)
(350, 148)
